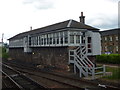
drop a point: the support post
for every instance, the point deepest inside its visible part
(87, 71)
(74, 64)
(80, 72)
(74, 68)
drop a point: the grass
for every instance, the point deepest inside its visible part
(115, 73)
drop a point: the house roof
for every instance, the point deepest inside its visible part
(114, 31)
(54, 27)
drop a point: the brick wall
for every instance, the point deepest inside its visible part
(55, 56)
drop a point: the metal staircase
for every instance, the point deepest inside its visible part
(80, 60)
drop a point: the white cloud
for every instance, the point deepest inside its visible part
(39, 4)
(119, 14)
(18, 15)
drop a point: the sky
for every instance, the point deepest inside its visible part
(17, 16)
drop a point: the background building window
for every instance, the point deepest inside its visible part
(116, 38)
(110, 38)
(105, 48)
(117, 48)
(105, 38)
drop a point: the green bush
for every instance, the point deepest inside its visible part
(111, 58)
(3, 53)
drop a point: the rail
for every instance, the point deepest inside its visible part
(22, 67)
(20, 80)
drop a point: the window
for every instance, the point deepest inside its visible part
(32, 40)
(110, 48)
(116, 38)
(117, 48)
(89, 45)
(72, 39)
(83, 39)
(89, 50)
(61, 37)
(66, 37)
(77, 39)
(105, 48)
(110, 38)
(47, 39)
(50, 35)
(57, 36)
(29, 40)
(39, 40)
(105, 38)
(89, 39)
(53, 38)
(42, 38)
(36, 40)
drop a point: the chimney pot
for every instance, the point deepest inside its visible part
(81, 13)
(31, 28)
(82, 18)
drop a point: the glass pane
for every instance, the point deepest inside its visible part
(71, 38)
(89, 45)
(78, 39)
(44, 41)
(66, 40)
(89, 51)
(71, 58)
(29, 40)
(57, 36)
(89, 39)
(39, 40)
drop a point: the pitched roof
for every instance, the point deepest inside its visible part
(114, 31)
(58, 26)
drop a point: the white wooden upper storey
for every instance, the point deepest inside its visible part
(67, 33)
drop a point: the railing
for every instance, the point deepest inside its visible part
(81, 61)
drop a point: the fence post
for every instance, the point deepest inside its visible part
(93, 73)
(104, 70)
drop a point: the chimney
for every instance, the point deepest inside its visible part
(31, 28)
(82, 18)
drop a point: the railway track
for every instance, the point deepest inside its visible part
(21, 81)
(12, 74)
(7, 83)
(75, 83)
